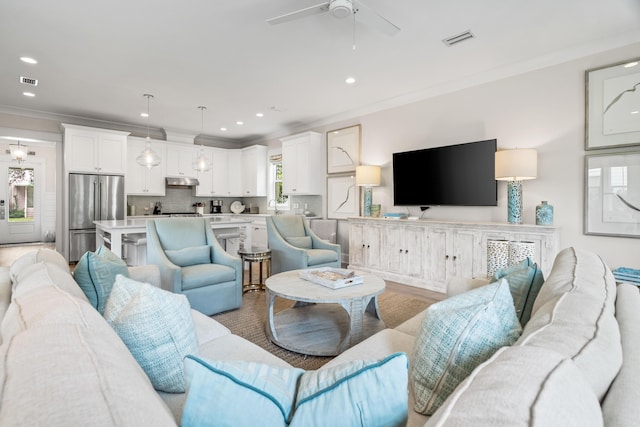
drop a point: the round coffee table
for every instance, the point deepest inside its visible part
(323, 321)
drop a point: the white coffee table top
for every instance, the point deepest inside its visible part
(290, 285)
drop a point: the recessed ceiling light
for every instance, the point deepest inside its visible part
(144, 114)
(223, 129)
(240, 123)
(259, 115)
(28, 60)
(350, 80)
(635, 112)
(29, 94)
(630, 64)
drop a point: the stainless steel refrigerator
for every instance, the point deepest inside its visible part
(92, 198)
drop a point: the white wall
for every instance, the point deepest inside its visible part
(542, 110)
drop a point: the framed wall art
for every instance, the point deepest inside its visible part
(343, 150)
(612, 194)
(613, 105)
(343, 199)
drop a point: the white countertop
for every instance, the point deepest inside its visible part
(141, 222)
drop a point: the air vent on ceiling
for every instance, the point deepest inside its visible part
(28, 81)
(458, 38)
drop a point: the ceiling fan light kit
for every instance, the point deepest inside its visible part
(342, 9)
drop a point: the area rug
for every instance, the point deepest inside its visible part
(249, 322)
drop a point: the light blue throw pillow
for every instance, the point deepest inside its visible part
(359, 393)
(456, 336)
(96, 272)
(238, 394)
(525, 280)
(156, 327)
(192, 255)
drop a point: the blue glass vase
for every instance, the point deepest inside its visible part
(544, 214)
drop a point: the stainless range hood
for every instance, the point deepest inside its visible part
(182, 182)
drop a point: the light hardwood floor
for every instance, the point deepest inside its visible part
(9, 253)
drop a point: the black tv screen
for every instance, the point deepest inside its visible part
(454, 175)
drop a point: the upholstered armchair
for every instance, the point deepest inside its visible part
(192, 262)
(294, 246)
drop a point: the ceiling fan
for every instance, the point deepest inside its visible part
(342, 9)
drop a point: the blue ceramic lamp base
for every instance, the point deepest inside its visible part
(366, 208)
(514, 202)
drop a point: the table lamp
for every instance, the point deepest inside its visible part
(515, 166)
(367, 176)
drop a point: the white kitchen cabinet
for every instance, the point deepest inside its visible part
(213, 182)
(254, 171)
(302, 165)
(428, 253)
(94, 150)
(234, 173)
(142, 181)
(180, 160)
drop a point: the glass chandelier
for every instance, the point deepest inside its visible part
(202, 163)
(148, 157)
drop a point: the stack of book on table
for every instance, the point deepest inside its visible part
(627, 275)
(334, 278)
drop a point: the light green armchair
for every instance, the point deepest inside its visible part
(192, 262)
(294, 246)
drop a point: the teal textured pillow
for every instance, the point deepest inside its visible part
(193, 255)
(156, 327)
(303, 242)
(457, 335)
(359, 393)
(96, 272)
(525, 280)
(238, 394)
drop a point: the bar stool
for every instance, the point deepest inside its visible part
(259, 256)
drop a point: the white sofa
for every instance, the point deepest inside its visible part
(576, 363)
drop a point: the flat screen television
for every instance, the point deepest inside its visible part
(454, 175)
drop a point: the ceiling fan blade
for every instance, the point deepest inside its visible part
(319, 8)
(373, 19)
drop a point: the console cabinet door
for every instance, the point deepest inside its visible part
(403, 249)
(365, 241)
(436, 255)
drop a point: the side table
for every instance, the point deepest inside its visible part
(255, 255)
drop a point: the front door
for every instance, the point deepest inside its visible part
(20, 208)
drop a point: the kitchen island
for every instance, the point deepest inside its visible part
(113, 231)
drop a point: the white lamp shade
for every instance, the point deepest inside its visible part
(368, 175)
(516, 165)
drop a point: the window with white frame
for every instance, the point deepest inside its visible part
(277, 199)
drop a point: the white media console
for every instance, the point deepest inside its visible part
(427, 253)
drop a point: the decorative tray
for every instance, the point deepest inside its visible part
(334, 278)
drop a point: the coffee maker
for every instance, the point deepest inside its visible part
(216, 206)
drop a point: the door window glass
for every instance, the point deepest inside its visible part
(21, 194)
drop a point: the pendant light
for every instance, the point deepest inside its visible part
(148, 157)
(202, 163)
(19, 152)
